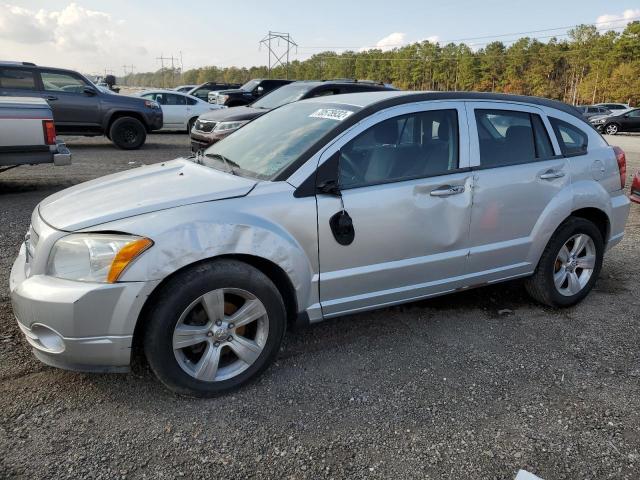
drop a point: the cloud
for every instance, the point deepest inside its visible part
(614, 21)
(72, 28)
(396, 39)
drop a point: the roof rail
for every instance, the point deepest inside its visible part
(352, 80)
(8, 62)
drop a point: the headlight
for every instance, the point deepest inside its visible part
(152, 104)
(226, 126)
(94, 257)
(221, 99)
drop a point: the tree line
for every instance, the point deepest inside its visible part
(587, 67)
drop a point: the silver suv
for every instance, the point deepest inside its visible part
(318, 209)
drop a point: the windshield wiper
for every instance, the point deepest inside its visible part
(229, 164)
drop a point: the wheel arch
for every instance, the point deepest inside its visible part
(125, 113)
(272, 270)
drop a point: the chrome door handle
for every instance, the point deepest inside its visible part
(551, 174)
(447, 190)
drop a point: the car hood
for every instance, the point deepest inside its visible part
(140, 190)
(232, 114)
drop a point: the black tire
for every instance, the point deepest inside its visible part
(541, 285)
(178, 293)
(127, 133)
(191, 123)
(611, 129)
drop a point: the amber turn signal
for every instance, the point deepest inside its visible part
(125, 256)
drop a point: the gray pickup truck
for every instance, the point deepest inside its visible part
(28, 134)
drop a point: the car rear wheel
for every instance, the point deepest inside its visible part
(214, 327)
(569, 266)
(611, 128)
(127, 133)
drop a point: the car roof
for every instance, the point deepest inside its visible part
(388, 98)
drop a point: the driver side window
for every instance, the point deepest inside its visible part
(421, 144)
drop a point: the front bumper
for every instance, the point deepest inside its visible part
(155, 120)
(76, 325)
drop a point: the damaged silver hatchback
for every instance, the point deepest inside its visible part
(317, 209)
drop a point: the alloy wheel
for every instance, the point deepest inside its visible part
(611, 129)
(574, 264)
(220, 334)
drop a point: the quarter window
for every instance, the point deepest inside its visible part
(17, 79)
(421, 144)
(511, 138)
(62, 82)
(572, 140)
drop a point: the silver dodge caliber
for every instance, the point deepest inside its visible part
(318, 209)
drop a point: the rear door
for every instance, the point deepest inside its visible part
(406, 186)
(518, 172)
(72, 106)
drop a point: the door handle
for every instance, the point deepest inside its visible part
(50, 97)
(447, 190)
(551, 174)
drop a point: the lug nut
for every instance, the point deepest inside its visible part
(216, 344)
(218, 322)
(231, 325)
(209, 334)
(229, 338)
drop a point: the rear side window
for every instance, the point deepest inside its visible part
(511, 138)
(16, 78)
(572, 140)
(173, 99)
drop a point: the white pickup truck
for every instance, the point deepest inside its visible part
(28, 134)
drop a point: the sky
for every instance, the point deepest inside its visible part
(94, 36)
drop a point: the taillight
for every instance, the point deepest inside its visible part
(49, 130)
(622, 165)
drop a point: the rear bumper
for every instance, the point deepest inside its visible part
(62, 156)
(57, 154)
(620, 206)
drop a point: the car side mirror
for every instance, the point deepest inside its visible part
(328, 176)
(259, 90)
(89, 91)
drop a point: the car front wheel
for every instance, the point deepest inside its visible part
(214, 327)
(569, 266)
(127, 133)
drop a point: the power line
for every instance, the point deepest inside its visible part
(502, 35)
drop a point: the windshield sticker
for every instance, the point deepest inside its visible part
(331, 114)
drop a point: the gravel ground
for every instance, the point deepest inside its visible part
(472, 385)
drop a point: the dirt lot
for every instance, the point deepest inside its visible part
(446, 388)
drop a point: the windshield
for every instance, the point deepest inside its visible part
(269, 144)
(282, 95)
(250, 85)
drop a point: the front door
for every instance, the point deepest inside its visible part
(73, 108)
(518, 172)
(407, 191)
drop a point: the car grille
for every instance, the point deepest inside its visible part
(205, 125)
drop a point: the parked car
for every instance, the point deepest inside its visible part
(246, 94)
(213, 126)
(317, 209)
(179, 110)
(614, 107)
(28, 135)
(589, 111)
(628, 121)
(185, 88)
(635, 188)
(202, 91)
(81, 108)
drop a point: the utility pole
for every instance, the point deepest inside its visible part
(130, 72)
(278, 57)
(173, 59)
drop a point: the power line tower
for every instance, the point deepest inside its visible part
(130, 69)
(278, 56)
(173, 67)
